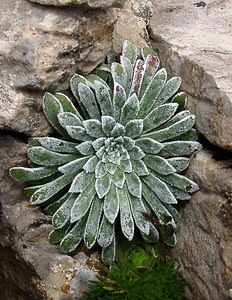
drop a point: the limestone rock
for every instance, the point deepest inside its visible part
(30, 267)
(204, 232)
(89, 3)
(41, 47)
(132, 24)
(194, 41)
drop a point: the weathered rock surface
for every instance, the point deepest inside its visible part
(30, 267)
(132, 23)
(41, 47)
(194, 41)
(204, 246)
(89, 3)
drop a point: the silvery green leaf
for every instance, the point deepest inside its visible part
(146, 51)
(100, 170)
(108, 253)
(108, 124)
(102, 186)
(169, 236)
(103, 98)
(50, 189)
(91, 80)
(179, 163)
(104, 157)
(181, 99)
(118, 130)
(137, 207)
(139, 71)
(126, 166)
(74, 165)
(130, 109)
(118, 178)
(105, 68)
(108, 141)
(191, 135)
(119, 140)
(152, 92)
(119, 74)
(179, 194)
(52, 208)
(134, 184)
(158, 207)
(78, 133)
(169, 89)
(29, 191)
(86, 148)
(88, 100)
(62, 215)
(181, 182)
(151, 66)
(56, 235)
(83, 202)
(80, 182)
(106, 233)
(93, 127)
(127, 66)
(179, 148)
(68, 119)
(125, 155)
(30, 174)
(98, 143)
(128, 143)
(148, 145)
(74, 82)
(139, 167)
(159, 188)
(51, 108)
(91, 164)
(177, 117)
(93, 221)
(54, 144)
(153, 235)
(129, 51)
(67, 104)
(159, 164)
(116, 160)
(173, 212)
(174, 130)
(119, 99)
(136, 153)
(111, 168)
(126, 219)
(111, 204)
(134, 128)
(74, 237)
(44, 157)
(159, 116)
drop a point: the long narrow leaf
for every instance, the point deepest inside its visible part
(92, 224)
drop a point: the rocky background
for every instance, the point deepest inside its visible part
(42, 44)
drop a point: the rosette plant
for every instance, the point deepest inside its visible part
(117, 160)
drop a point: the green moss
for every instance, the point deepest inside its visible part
(141, 271)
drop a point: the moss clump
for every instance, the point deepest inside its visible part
(141, 271)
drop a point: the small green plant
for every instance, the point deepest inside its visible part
(121, 150)
(140, 271)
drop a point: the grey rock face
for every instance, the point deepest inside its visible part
(30, 267)
(41, 47)
(194, 42)
(193, 39)
(132, 24)
(89, 3)
(205, 230)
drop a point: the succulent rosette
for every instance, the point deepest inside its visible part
(122, 147)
